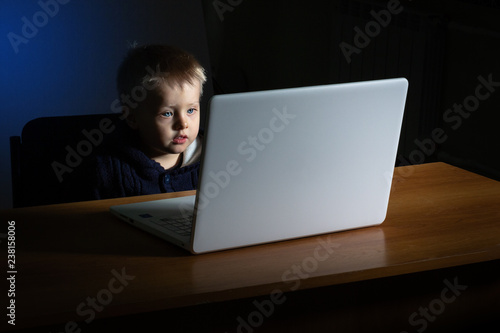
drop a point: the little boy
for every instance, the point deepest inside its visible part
(158, 150)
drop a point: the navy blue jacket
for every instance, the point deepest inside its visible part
(122, 170)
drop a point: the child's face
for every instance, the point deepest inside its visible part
(169, 119)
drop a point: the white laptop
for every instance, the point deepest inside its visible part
(283, 164)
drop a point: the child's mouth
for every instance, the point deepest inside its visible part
(180, 139)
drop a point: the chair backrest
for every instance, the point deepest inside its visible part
(49, 159)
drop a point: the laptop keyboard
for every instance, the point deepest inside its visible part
(179, 225)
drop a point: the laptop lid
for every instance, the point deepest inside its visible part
(297, 162)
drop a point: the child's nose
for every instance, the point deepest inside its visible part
(181, 123)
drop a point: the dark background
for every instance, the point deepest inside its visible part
(441, 47)
(68, 67)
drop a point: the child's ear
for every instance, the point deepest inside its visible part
(129, 117)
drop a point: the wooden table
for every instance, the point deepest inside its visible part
(78, 267)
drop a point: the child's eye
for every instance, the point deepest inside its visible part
(167, 114)
(191, 111)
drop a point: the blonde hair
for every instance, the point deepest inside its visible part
(149, 65)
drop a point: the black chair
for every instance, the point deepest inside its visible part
(49, 160)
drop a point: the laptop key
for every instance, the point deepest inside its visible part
(181, 226)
